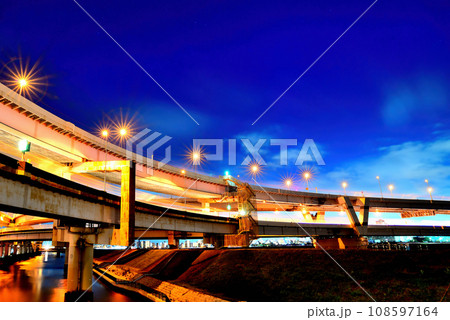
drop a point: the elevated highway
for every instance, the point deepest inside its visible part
(56, 186)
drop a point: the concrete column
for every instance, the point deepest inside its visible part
(127, 201)
(15, 249)
(79, 271)
(307, 216)
(340, 243)
(86, 267)
(1, 250)
(217, 240)
(66, 260)
(6, 249)
(320, 216)
(173, 240)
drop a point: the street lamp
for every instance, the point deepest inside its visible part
(306, 177)
(196, 158)
(391, 187)
(254, 169)
(105, 134)
(24, 146)
(183, 172)
(288, 183)
(379, 184)
(344, 185)
(22, 82)
(430, 189)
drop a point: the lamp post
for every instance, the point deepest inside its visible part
(105, 134)
(254, 169)
(391, 187)
(379, 184)
(288, 183)
(430, 189)
(24, 146)
(307, 176)
(344, 185)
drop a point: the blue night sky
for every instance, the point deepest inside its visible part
(375, 104)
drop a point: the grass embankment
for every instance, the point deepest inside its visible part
(305, 275)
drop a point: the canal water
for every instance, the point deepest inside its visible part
(41, 279)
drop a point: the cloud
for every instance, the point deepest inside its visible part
(421, 98)
(405, 165)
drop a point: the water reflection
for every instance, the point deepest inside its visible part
(42, 279)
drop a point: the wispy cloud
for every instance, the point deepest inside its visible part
(405, 165)
(418, 99)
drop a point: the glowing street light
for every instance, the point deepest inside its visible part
(196, 158)
(288, 183)
(24, 146)
(22, 82)
(105, 135)
(391, 187)
(430, 189)
(344, 185)
(123, 132)
(307, 175)
(379, 184)
(254, 169)
(183, 172)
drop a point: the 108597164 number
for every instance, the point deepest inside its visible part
(403, 311)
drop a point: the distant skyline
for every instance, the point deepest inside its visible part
(377, 103)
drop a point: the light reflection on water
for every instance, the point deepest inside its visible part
(42, 279)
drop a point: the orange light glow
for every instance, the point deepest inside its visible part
(23, 82)
(195, 156)
(254, 169)
(24, 78)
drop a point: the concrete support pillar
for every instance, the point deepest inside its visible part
(6, 249)
(340, 243)
(236, 240)
(86, 267)
(1, 250)
(127, 201)
(173, 240)
(216, 240)
(79, 273)
(66, 260)
(320, 216)
(15, 249)
(307, 216)
(205, 207)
